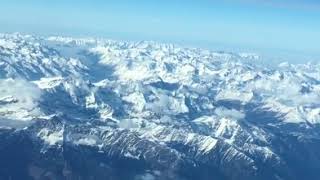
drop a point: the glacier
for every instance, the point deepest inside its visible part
(88, 108)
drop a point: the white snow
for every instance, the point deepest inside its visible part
(207, 144)
(137, 99)
(47, 83)
(51, 138)
(86, 141)
(232, 94)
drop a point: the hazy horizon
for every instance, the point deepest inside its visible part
(279, 29)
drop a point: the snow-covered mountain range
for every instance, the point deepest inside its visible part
(74, 108)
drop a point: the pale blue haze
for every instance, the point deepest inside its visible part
(282, 26)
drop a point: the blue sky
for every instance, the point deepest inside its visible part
(282, 26)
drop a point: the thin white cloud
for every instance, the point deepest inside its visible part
(19, 99)
(230, 113)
